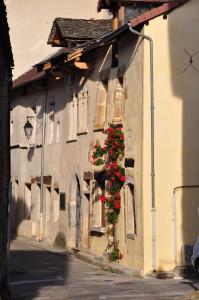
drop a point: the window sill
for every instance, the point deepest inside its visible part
(131, 236)
(97, 230)
(99, 129)
(21, 146)
(82, 132)
(71, 141)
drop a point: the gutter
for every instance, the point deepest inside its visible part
(153, 207)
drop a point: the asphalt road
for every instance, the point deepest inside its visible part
(36, 273)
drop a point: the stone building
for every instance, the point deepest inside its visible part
(94, 81)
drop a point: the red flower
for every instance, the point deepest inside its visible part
(113, 178)
(118, 174)
(111, 152)
(103, 198)
(121, 255)
(122, 138)
(122, 178)
(117, 205)
(116, 143)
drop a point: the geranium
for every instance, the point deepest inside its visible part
(122, 178)
(117, 205)
(114, 150)
(118, 174)
(103, 198)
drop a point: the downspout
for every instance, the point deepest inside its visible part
(41, 235)
(153, 208)
(174, 217)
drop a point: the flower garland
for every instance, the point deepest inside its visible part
(111, 155)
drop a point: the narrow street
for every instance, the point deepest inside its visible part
(39, 274)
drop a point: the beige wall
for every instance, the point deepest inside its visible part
(176, 131)
(30, 24)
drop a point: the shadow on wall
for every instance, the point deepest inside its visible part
(184, 63)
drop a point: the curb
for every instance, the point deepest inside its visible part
(109, 267)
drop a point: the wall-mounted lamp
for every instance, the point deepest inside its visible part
(28, 129)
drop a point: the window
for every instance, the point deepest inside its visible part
(130, 211)
(33, 121)
(56, 205)
(118, 102)
(27, 202)
(57, 132)
(101, 103)
(62, 201)
(72, 111)
(50, 122)
(82, 111)
(47, 211)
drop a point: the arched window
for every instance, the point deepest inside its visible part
(130, 211)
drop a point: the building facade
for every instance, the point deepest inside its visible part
(108, 81)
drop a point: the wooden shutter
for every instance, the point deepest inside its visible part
(74, 129)
(70, 113)
(118, 103)
(82, 111)
(85, 111)
(100, 115)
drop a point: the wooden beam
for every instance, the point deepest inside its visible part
(47, 66)
(82, 65)
(56, 42)
(75, 54)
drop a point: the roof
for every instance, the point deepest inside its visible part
(79, 29)
(142, 18)
(4, 35)
(53, 56)
(29, 76)
(108, 4)
(69, 55)
(156, 11)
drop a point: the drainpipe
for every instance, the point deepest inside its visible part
(174, 217)
(41, 234)
(153, 208)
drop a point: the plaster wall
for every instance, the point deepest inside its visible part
(66, 161)
(176, 130)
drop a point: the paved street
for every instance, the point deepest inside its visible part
(39, 274)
